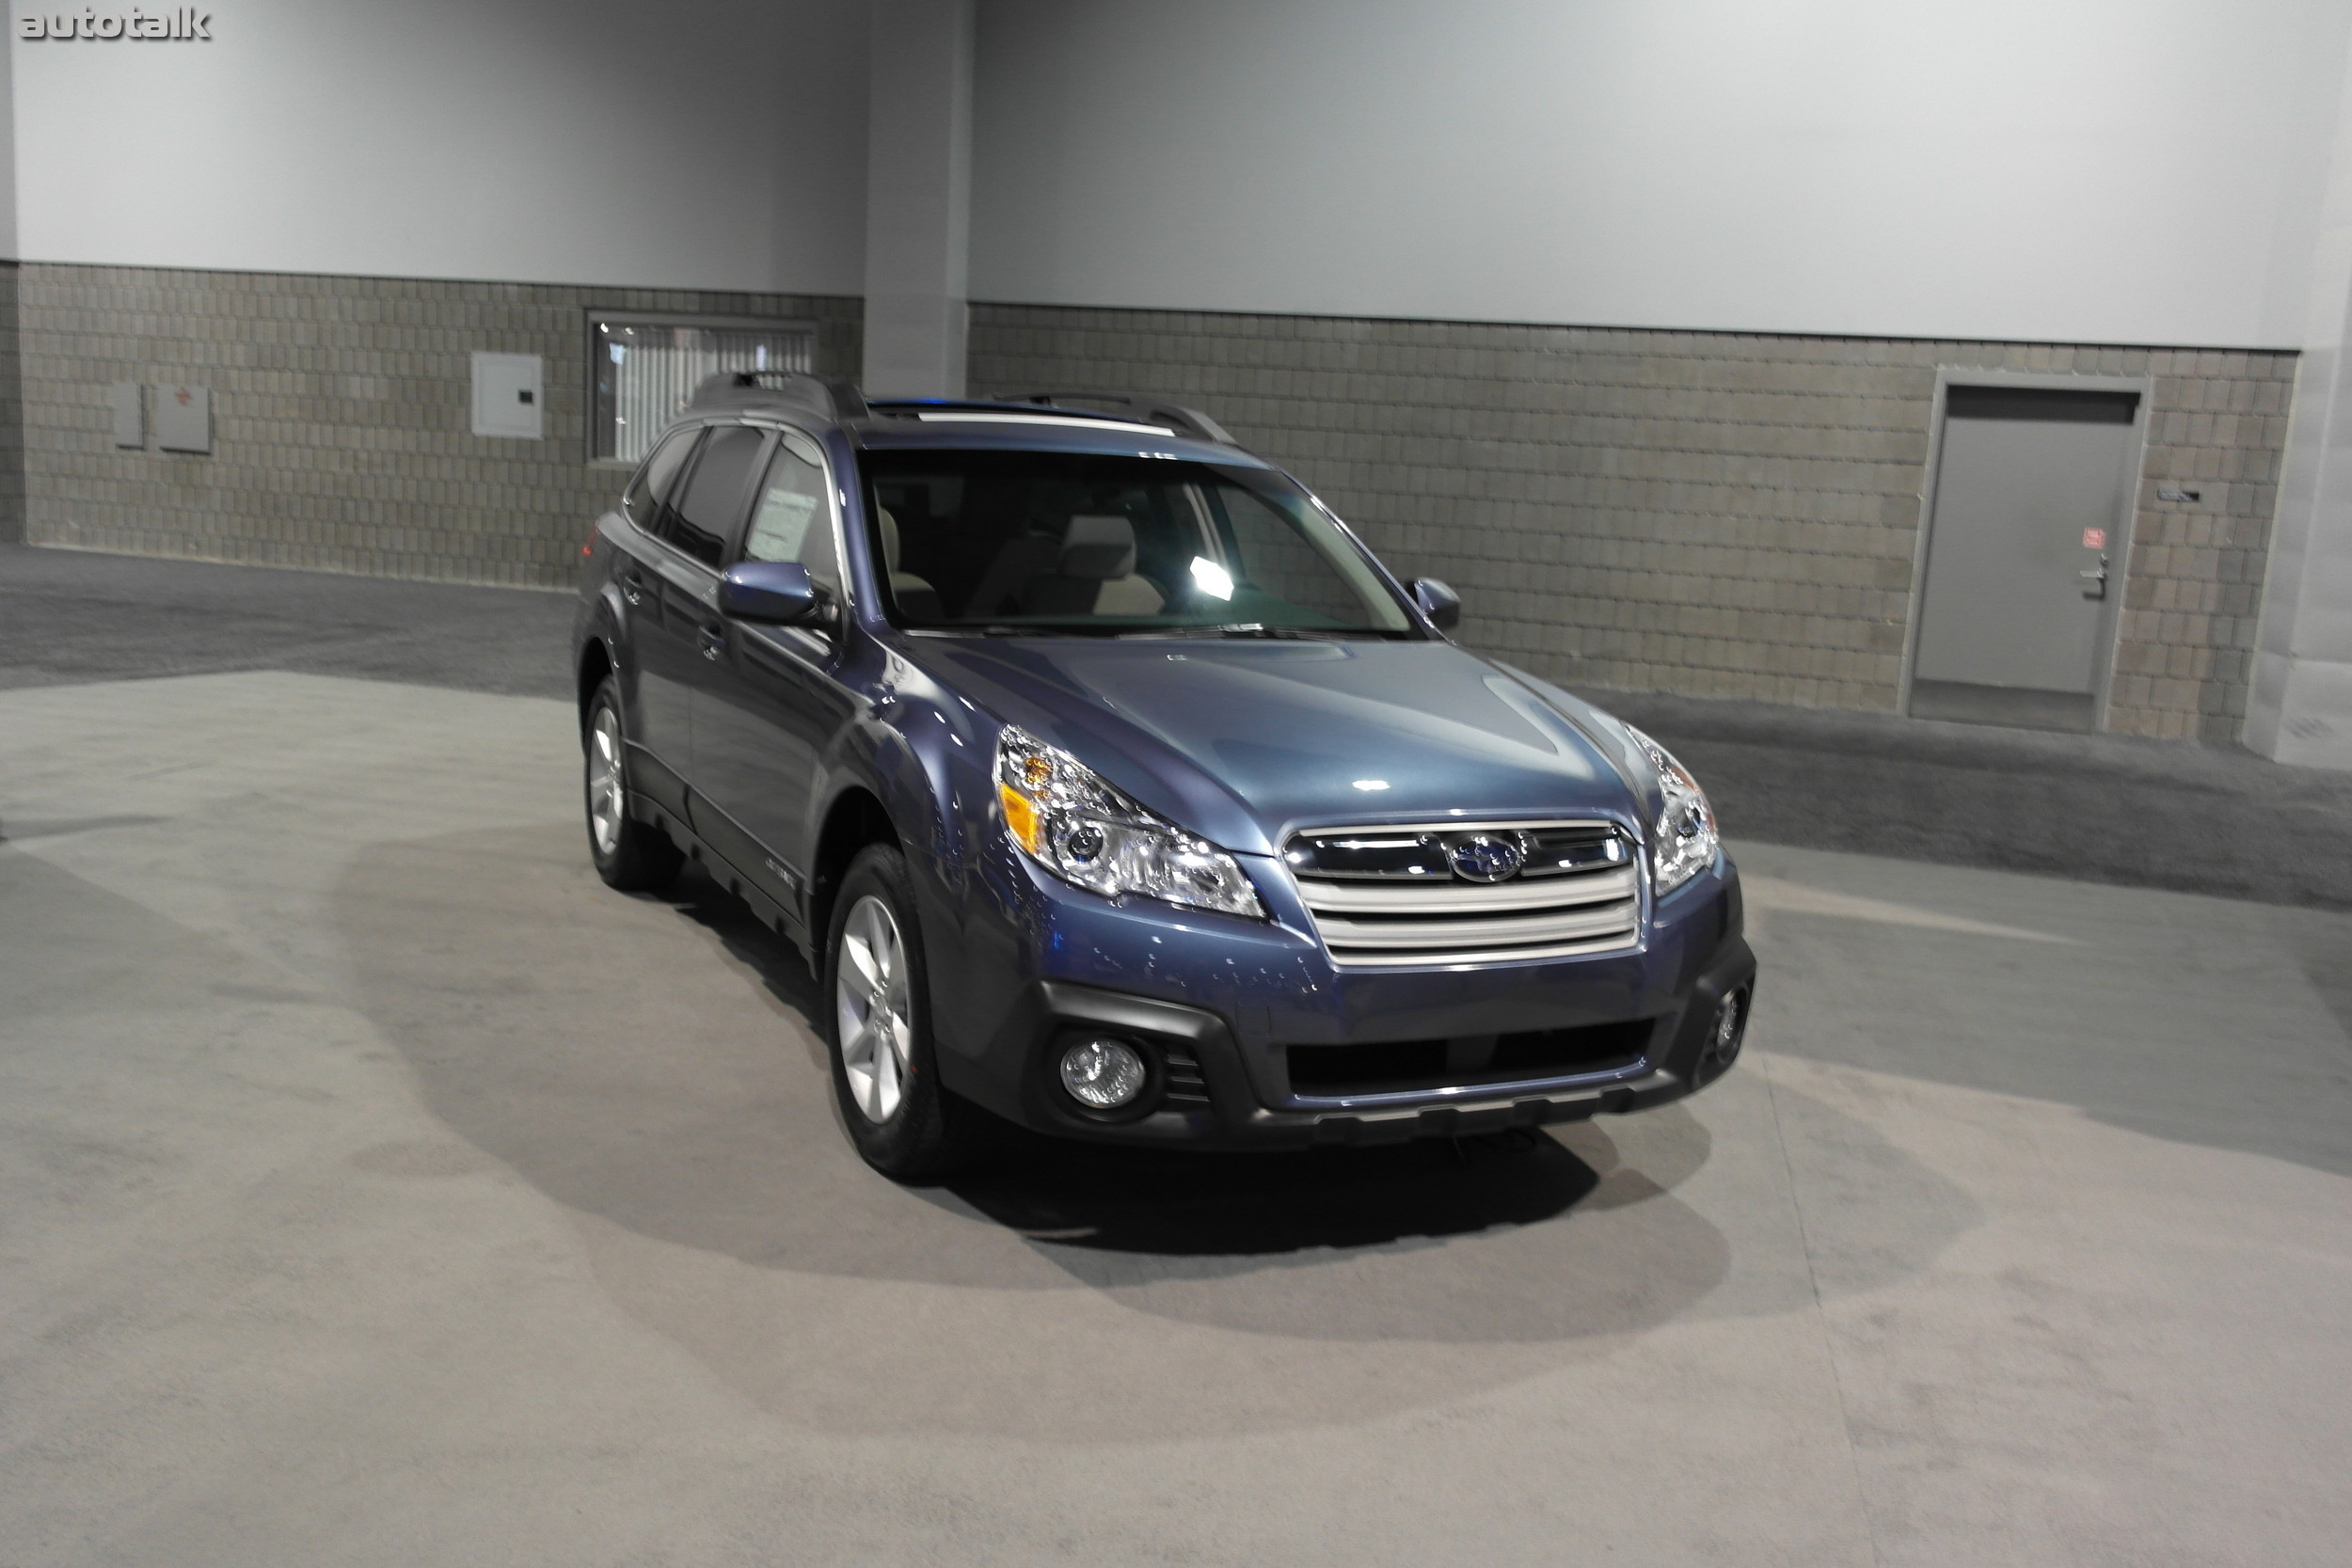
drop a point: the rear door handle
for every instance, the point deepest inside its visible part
(632, 587)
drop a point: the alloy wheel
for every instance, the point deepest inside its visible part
(608, 802)
(870, 1007)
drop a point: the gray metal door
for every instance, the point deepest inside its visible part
(2024, 555)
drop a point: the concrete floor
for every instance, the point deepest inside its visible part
(70, 616)
(377, 1188)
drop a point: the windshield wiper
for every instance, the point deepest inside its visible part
(1190, 631)
(1236, 629)
(1049, 629)
(1260, 629)
(1295, 633)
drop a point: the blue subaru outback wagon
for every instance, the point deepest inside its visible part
(1112, 787)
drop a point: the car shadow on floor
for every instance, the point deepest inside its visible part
(651, 1059)
(1184, 1204)
(647, 1065)
(1253, 1205)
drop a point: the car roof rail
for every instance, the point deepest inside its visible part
(828, 400)
(1191, 421)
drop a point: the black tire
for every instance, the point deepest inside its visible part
(914, 1131)
(633, 856)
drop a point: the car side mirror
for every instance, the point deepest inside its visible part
(1441, 604)
(779, 592)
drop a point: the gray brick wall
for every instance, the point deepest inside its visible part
(2184, 661)
(12, 414)
(340, 412)
(1708, 514)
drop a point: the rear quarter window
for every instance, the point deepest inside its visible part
(700, 522)
(641, 503)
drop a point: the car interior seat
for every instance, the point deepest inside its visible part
(914, 595)
(1094, 573)
(1016, 561)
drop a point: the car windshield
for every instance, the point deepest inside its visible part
(1074, 543)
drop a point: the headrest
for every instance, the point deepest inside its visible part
(890, 539)
(1098, 547)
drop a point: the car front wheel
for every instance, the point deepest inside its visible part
(884, 1070)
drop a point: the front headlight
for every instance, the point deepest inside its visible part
(1071, 821)
(1684, 842)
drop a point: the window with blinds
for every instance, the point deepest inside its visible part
(647, 367)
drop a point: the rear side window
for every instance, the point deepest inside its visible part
(715, 493)
(642, 504)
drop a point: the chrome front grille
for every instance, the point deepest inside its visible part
(1391, 896)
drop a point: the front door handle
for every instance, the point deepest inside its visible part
(2095, 582)
(712, 639)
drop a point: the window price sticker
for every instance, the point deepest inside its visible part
(2094, 539)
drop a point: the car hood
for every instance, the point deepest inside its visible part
(1244, 741)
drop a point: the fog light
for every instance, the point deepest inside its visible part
(1103, 1074)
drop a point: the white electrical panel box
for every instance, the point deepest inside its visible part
(129, 402)
(508, 396)
(184, 419)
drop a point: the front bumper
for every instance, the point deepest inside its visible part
(1233, 1002)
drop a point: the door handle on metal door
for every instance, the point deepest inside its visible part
(711, 640)
(2095, 582)
(632, 587)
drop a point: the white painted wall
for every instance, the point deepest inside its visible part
(2079, 170)
(2127, 170)
(698, 144)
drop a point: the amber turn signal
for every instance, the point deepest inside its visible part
(1019, 816)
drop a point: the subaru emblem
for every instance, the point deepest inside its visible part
(1485, 857)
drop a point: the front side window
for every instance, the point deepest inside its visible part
(1077, 544)
(792, 520)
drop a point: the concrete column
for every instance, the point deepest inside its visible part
(918, 197)
(7, 143)
(2300, 710)
(12, 381)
